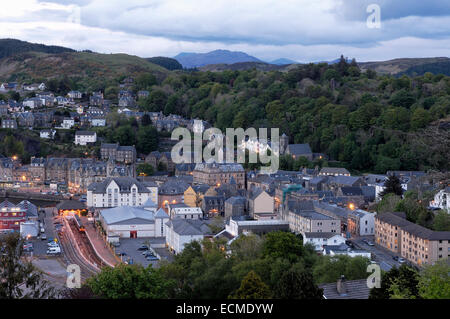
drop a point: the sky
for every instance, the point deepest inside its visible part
(301, 30)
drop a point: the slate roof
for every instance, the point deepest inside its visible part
(236, 200)
(189, 227)
(124, 183)
(344, 180)
(334, 170)
(351, 191)
(88, 133)
(127, 214)
(355, 289)
(173, 187)
(320, 235)
(70, 204)
(299, 149)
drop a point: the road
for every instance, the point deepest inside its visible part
(379, 254)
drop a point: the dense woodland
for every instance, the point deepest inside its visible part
(360, 120)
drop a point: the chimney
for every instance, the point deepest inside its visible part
(341, 286)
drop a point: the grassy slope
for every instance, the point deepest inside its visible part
(398, 66)
(33, 65)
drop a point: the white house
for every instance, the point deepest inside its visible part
(85, 137)
(361, 222)
(75, 94)
(180, 232)
(133, 222)
(184, 211)
(120, 191)
(47, 134)
(318, 240)
(98, 121)
(68, 123)
(34, 87)
(442, 200)
(32, 102)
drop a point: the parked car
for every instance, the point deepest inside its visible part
(143, 247)
(116, 244)
(395, 258)
(148, 253)
(401, 260)
(43, 237)
(151, 258)
(370, 243)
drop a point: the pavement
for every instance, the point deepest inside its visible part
(98, 243)
(379, 254)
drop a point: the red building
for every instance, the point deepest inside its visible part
(11, 216)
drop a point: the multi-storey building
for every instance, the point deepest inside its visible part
(123, 154)
(413, 242)
(216, 174)
(85, 137)
(118, 191)
(304, 219)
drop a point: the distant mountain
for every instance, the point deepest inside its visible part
(241, 66)
(10, 47)
(283, 61)
(194, 60)
(409, 66)
(168, 63)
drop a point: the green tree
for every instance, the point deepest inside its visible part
(297, 284)
(330, 269)
(18, 277)
(399, 282)
(441, 221)
(281, 244)
(147, 139)
(145, 169)
(252, 287)
(434, 281)
(392, 186)
(129, 281)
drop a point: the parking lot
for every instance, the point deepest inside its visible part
(40, 245)
(130, 246)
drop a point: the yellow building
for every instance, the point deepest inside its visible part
(193, 195)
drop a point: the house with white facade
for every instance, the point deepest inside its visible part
(47, 134)
(67, 123)
(85, 137)
(132, 222)
(442, 200)
(119, 191)
(75, 94)
(319, 240)
(180, 231)
(184, 211)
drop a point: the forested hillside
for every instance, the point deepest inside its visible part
(360, 120)
(10, 47)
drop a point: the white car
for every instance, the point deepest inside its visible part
(401, 260)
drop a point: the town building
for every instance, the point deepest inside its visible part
(346, 289)
(180, 232)
(235, 206)
(442, 200)
(85, 137)
(216, 174)
(118, 191)
(9, 124)
(413, 242)
(132, 222)
(118, 153)
(334, 171)
(321, 239)
(181, 210)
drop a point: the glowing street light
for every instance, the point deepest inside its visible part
(351, 206)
